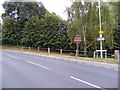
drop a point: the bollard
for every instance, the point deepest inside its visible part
(60, 51)
(94, 55)
(118, 57)
(22, 48)
(97, 54)
(29, 48)
(116, 53)
(105, 54)
(48, 50)
(38, 49)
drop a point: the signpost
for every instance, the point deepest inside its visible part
(77, 40)
(100, 39)
(100, 32)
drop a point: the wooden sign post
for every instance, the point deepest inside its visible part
(77, 40)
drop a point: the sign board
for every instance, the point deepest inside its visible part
(100, 32)
(100, 39)
(77, 39)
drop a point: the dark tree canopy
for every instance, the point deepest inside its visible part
(23, 10)
(15, 16)
(30, 24)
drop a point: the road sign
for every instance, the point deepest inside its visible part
(100, 32)
(77, 39)
(100, 39)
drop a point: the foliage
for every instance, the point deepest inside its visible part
(30, 24)
(20, 11)
(11, 32)
(83, 19)
(47, 32)
(0, 34)
(15, 16)
(116, 31)
(56, 32)
(117, 38)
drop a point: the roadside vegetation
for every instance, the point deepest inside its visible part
(64, 55)
(31, 24)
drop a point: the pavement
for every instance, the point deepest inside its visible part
(21, 70)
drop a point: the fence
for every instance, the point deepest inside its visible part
(63, 51)
(59, 51)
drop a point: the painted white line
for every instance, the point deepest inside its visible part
(116, 69)
(13, 56)
(39, 65)
(85, 82)
(68, 59)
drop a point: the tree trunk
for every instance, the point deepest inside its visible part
(85, 45)
(85, 51)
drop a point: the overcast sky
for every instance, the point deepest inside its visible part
(56, 6)
(1, 9)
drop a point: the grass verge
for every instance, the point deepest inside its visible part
(35, 51)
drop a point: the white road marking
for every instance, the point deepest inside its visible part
(73, 60)
(13, 56)
(116, 69)
(39, 65)
(85, 82)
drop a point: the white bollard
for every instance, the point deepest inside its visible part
(118, 57)
(29, 48)
(97, 54)
(105, 54)
(94, 55)
(22, 48)
(60, 51)
(48, 50)
(38, 49)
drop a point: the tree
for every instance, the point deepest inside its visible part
(30, 24)
(84, 20)
(20, 11)
(81, 20)
(30, 31)
(11, 32)
(116, 30)
(15, 16)
(0, 34)
(56, 34)
(49, 31)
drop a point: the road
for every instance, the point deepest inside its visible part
(20, 70)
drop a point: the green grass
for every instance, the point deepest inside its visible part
(17, 46)
(107, 60)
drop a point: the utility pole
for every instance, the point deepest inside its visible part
(100, 35)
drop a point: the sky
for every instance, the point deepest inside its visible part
(1, 9)
(56, 6)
